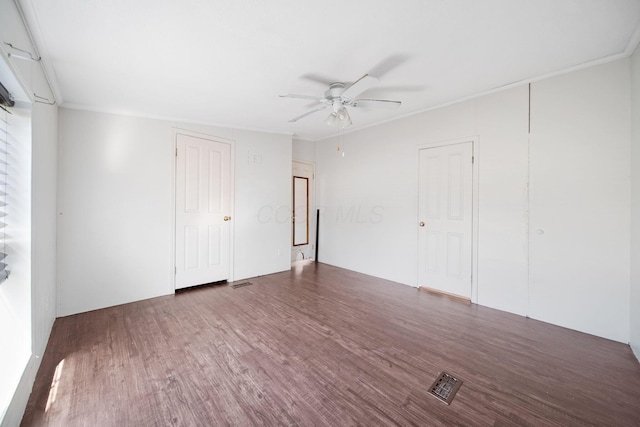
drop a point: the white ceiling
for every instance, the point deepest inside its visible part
(226, 62)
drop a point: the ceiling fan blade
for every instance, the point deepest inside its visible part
(387, 65)
(375, 103)
(359, 86)
(317, 78)
(293, 95)
(295, 119)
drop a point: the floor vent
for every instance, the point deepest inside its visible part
(241, 285)
(445, 387)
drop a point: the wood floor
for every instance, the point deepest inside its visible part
(324, 346)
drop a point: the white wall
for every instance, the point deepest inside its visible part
(368, 197)
(503, 200)
(115, 207)
(634, 303)
(114, 216)
(366, 194)
(262, 230)
(43, 222)
(303, 150)
(580, 142)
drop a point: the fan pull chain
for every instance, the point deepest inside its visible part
(338, 149)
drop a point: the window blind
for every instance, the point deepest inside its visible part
(5, 133)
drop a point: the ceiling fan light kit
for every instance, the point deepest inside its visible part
(339, 96)
(339, 119)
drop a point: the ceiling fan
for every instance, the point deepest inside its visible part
(339, 96)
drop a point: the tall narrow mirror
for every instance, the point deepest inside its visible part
(300, 211)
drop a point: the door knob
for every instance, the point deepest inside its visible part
(227, 218)
(421, 224)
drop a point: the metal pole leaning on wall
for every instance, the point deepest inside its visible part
(317, 231)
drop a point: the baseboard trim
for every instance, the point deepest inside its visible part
(445, 294)
(18, 403)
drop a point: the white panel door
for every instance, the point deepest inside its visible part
(445, 218)
(203, 198)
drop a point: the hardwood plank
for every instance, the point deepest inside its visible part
(325, 346)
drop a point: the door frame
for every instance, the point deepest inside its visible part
(474, 140)
(175, 131)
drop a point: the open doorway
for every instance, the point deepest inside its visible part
(303, 216)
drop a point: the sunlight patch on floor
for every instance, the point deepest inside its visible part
(53, 390)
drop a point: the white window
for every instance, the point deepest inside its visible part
(5, 137)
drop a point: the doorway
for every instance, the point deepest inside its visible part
(203, 211)
(445, 219)
(303, 211)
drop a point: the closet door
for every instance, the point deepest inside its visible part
(446, 219)
(203, 205)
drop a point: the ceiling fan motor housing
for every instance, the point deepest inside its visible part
(335, 91)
